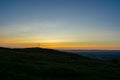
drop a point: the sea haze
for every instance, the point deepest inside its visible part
(98, 54)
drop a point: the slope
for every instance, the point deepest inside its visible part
(47, 64)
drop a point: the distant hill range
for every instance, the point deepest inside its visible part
(98, 54)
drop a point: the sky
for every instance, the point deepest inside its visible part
(60, 24)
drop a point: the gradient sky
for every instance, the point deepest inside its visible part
(60, 24)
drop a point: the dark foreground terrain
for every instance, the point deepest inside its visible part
(46, 64)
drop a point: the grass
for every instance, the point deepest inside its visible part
(45, 64)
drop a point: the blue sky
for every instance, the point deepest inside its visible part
(70, 22)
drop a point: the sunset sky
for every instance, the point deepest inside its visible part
(60, 24)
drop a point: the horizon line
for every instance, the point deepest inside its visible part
(60, 49)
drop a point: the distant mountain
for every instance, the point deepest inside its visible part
(98, 54)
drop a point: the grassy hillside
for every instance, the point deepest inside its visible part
(46, 64)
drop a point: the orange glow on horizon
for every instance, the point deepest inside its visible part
(54, 44)
(61, 46)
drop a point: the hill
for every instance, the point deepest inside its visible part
(47, 64)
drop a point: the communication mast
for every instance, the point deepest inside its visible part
(37, 45)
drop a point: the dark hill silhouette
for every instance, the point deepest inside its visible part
(3, 48)
(48, 64)
(42, 50)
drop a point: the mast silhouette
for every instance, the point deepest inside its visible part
(37, 46)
